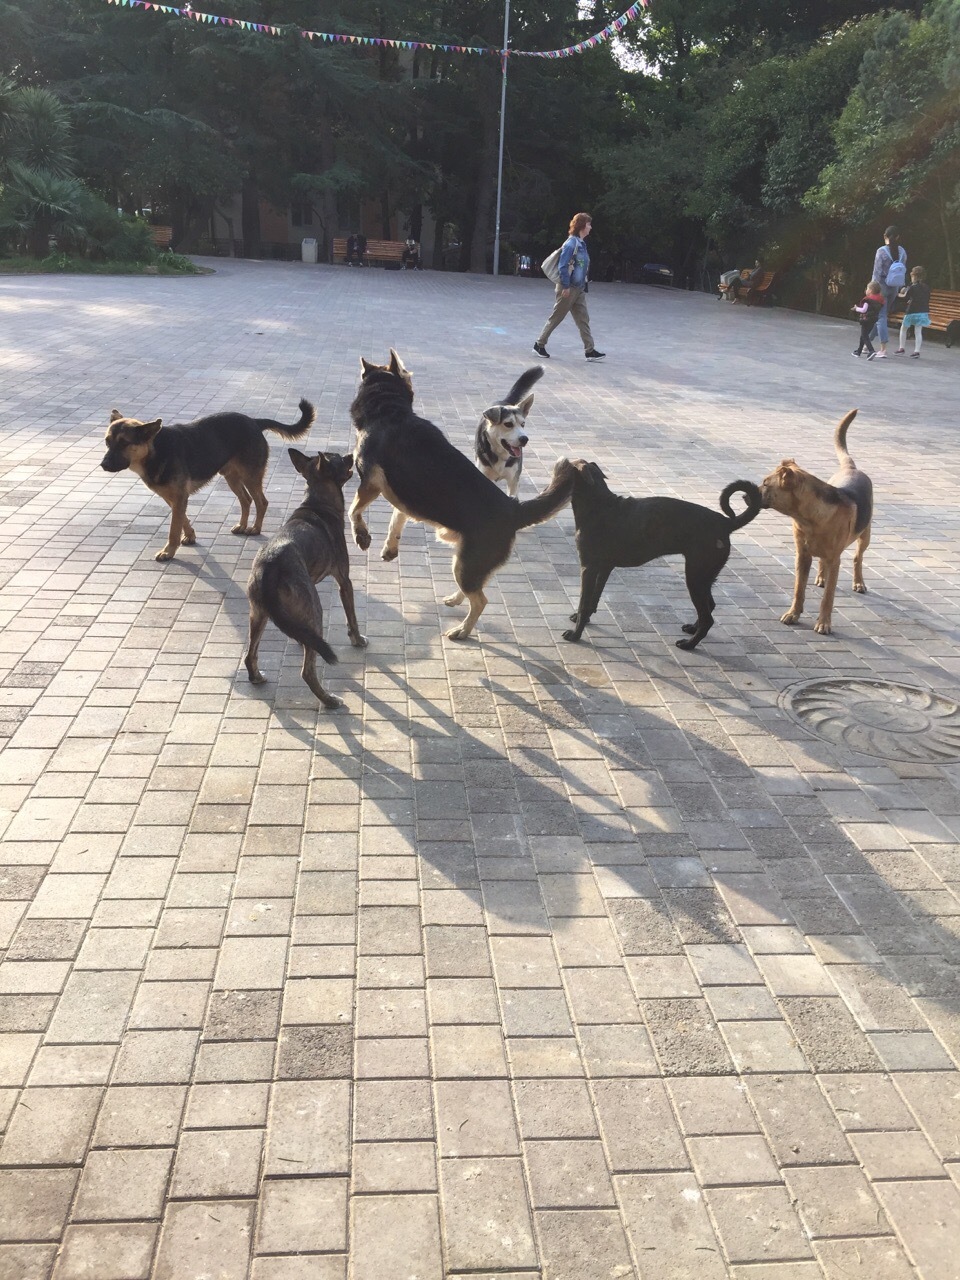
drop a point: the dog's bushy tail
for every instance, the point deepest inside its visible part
(753, 499)
(307, 416)
(291, 626)
(548, 503)
(840, 439)
(523, 385)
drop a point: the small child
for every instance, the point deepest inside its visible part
(868, 308)
(918, 311)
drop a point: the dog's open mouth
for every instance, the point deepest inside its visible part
(514, 450)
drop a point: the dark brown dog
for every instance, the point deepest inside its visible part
(310, 546)
(827, 516)
(615, 532)
(177, 461)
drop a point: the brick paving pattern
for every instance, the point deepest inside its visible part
(535, 960)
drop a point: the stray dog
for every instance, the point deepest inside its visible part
(501, 435)
(308, 547)
(416, 468)
(621, 533)
(826, 518)
(177, 461)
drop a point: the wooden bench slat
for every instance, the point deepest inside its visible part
(380, 250)
(757, 291)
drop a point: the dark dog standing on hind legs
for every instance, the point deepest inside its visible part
(177, 461)
(412, 463)
(308, 547)
(614, 532)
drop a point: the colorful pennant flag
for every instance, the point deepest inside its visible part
(328, 37)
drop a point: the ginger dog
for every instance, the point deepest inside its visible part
(827, 517)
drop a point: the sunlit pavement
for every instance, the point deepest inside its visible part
(543, 960)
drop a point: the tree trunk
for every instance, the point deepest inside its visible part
(945, 228)
(486, 190)
(328, 154)
(250, 223)
(438, 230)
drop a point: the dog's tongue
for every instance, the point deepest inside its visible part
(514, 452)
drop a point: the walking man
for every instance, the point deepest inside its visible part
(571, 294)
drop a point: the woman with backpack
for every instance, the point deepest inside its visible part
(890, 270)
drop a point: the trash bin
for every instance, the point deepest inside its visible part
(308, 250)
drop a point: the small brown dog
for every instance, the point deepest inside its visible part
(177, 461)
(826, 518)
(310, 546)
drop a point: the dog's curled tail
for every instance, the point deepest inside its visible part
(292, 626)
(307, 416)
(753, 499)
(840, 439)
(523, 385)
(556, 495)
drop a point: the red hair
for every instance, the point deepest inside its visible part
(578, 222)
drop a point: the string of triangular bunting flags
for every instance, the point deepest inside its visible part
(328, 37)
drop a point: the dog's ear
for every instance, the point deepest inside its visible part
(115, 415)
(396, 364)
(494, 414)
(526, 405)
(348, 461)
(787, 473)
(151, 428)
(367, 367)
(299, 460)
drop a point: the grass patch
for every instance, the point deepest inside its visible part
(62, 264)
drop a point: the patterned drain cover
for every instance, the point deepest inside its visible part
(878, 718)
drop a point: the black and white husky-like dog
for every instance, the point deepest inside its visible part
(412, 463)
(502, 436)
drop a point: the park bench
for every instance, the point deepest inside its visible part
(758, 292)
(944, 313)
(377, 250)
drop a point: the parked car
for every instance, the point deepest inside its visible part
(656, 273)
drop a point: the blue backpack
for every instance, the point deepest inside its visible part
(897, 273)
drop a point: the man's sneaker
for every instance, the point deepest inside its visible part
(541, 351)
(872, 355)
(914, 355)
(594, 354)
(856, 354)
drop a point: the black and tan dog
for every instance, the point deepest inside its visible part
(621, 533)
(502, 433)
(416, 468)
(310, 546)
(827, 516)
(177, 461)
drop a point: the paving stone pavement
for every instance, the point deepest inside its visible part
(535, 960)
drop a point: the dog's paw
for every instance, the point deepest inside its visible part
(241, 529)
(362, 539)
(818, 580)
(574, 616)
(688, 629)
(165, 554)
(257, 677)
(790, 618)
(571, 635)
(452, 601)
(188, 540)
(389, 553)
(458, 633)
(331, 703)
(860, 588)
(358, 641)
(822, 628)
(687, 644)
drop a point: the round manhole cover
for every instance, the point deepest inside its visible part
(878, 718)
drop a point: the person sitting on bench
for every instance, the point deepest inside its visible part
(410, 258)
(357, 249)
(746, 280)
